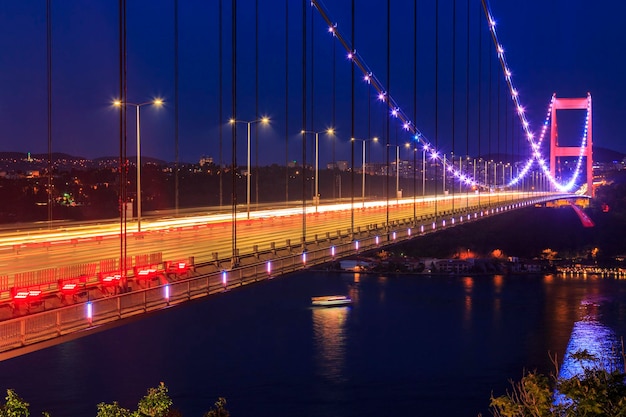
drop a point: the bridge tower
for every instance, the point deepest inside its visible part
(558, 151)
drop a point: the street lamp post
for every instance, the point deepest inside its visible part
(156, 102)
(329, 131)
(443, 167)
(364, 166)
(397, 172)
(407, 145)
(424, 149)
(263, 120)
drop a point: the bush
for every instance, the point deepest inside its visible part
(594, 392)
(156, 403)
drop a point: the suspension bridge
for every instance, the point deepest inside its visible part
(481, 157)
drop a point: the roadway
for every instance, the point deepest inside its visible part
(203, 235)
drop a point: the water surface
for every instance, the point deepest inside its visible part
(409, 345)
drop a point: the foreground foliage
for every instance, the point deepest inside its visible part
(156, 403)
(596, 391)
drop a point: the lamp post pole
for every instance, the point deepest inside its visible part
(443, 167)
(329, 131)
(263, 120)
(364, 165)
(316, 198)
(363, 177)
(138, 172)
(156, 102)
(248, 175)
(424, 149)
(397, 170)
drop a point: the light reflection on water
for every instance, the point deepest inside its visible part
(468, 285)
(593, 336)
(329, 330)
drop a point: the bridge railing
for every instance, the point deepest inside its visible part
(27, 330)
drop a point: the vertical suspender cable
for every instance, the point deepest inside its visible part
(256, 101)
(495, 179)
(467, 99)
(480, 76)
(386, 98)
(489, 104)
(334, 111)
(49, 72)
(369, 126)
(314, 143)
(304, 127)
(352, 134)
(506, 135)
(176, 107)
(123, 161)
(233, 170)
(287, 102)
(453, 92)
(221, 99)
(436, 96)
(510, 113)
(414, 110)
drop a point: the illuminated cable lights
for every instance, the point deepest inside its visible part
(369, 77)
(397, 113)
(520, 110)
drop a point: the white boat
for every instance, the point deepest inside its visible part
(331, 301)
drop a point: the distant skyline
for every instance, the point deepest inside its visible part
(559, 46)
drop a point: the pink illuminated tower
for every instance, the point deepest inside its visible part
(558, 151)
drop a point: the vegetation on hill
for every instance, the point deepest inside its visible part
(597, 391)
(156, 403)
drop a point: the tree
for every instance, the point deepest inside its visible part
(219, 410)
(156, 403)
(14, 406)
(112, 410)
(595, 392)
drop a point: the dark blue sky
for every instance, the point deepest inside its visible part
(565, 46)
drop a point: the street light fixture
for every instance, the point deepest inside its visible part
(330, 131)
(156, 102)
(263, 120)
(374, 139)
